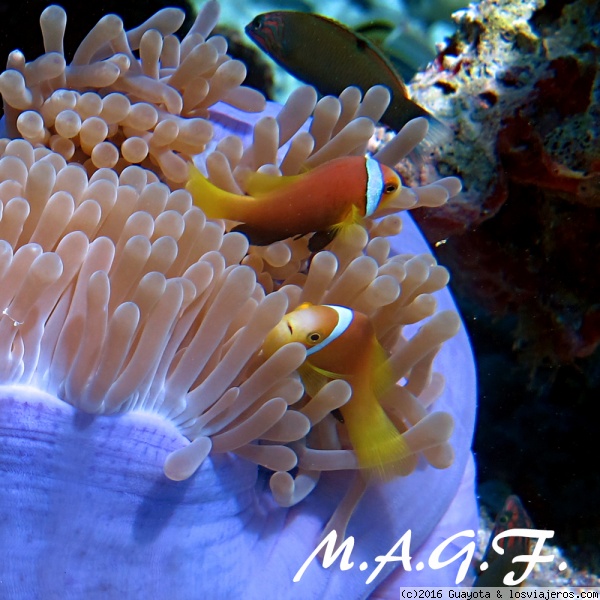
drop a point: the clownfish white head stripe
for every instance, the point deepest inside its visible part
(345, 316)
(375, 185)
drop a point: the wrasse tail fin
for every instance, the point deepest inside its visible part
(437, 135)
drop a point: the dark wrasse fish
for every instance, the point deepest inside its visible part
(324, 201)
(331, 57)
(511, 516)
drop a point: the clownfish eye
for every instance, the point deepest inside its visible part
(390, 188)
(314, 337)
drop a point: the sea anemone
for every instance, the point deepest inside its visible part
(148, 448)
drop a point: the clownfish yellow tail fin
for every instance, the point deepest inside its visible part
(378, 445)
(214, 202)
(382, 376)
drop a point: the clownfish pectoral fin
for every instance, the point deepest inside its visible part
(261, 183)
(320, 239)
(343, 228)
(313, 379)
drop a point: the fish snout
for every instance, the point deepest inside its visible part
(392, 185)
(254, 27)
(265, 31)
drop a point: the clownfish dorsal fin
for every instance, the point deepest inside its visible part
(259, 184)
(304, 305)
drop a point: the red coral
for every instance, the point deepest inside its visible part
(569, 88)
(524, 159)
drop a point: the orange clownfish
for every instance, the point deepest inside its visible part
(324, 200)
(341, 344)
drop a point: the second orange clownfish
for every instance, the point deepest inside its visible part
(341, 344)
(323, 201)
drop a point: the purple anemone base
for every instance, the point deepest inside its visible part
(88, 513)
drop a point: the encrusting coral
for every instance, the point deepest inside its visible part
(520, 84)
(119, 296)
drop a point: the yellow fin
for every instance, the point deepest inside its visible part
(378, 445)
(314, 379)
(327, 374)
(382, 376)
(386, 454)
(343, 228)
(214, 202)
(262, 183)
(356, 218)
